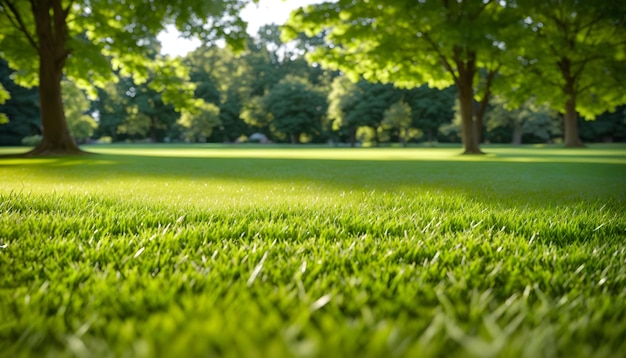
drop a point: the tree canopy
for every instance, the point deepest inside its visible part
(409, 43)
(573, 56)
(46, 40)
(375, 72)
(569, 53)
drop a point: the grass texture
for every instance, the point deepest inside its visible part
(253, 251)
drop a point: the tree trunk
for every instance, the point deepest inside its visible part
(52, 34)
(517, 135)
(466, 68)
(352, 138)
(376, 137)
(153, 131)
(483, 104)
(571, 140)
(430, 136)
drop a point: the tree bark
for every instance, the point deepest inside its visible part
(518, 132)
(352, 138)
(51, 27)
(466, 68)
(571, 138)
(482, 105)
(153, 131)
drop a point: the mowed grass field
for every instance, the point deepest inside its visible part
(253, 251)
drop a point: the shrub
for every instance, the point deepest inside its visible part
(32, 140)
(105, 140)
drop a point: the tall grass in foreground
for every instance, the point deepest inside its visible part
(203, 251)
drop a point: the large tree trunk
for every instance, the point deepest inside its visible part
(483, 104)
(51, 26)
(571, 140)
(466, 68)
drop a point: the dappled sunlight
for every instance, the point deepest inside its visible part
(506, 154)
(217, 175)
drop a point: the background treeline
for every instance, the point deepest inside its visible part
(271, 93)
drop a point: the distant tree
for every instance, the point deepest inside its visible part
(199, 124)
(47, 39)
(80, 123)
(431, 108)
(225, 80)
(232, 126)
(147, 114)
(374, 99)
(607, 127)
(529, 118)
(398, 117)
(342, 99)
(572, 58)
(111, 109)
(20, 109)
(255, 114)
(296, 107)
(411, 43)
(4, 96)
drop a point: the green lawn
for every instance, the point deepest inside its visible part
(253, 251)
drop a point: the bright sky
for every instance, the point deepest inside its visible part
(257, 15)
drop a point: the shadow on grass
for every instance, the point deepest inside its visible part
(518, 177)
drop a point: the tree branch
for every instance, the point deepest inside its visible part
(537, 72)
(443, 58)
(67, 9)
(18, 22)
(481, 9)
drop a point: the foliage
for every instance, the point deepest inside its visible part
(20, 109)
(31, 140)
(4, 96)
(147, 114)
(198, 125)
(584, 39)
(254, 113)
(577, 51)
(76, 104)
(297, 108)
(111, 109)
(529, 118)
(431, 108)
(398, 117)
(85, 40)
(609, 126)
(226, 251)
(342, 98)
(102, 32)
(225, 80)
(438, 43)
(359, 105)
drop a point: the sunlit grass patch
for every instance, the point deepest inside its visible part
(244, 251)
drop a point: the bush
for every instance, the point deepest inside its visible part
(105, 139)
(32, 140)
